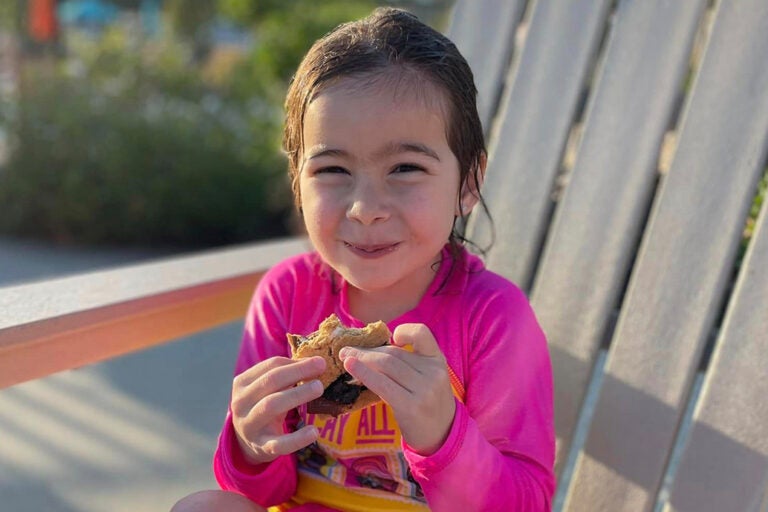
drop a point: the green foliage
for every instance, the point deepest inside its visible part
(11, 12)
(242, 11)
(284, 31)
(137, 150)
(762, 190)
(754, 212)
(187, 16)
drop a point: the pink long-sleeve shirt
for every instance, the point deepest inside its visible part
(499, 453)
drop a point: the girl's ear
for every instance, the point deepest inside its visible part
(470, 189)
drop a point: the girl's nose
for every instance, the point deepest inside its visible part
(368, 204)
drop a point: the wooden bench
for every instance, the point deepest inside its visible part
(628, 263)
(627, 140)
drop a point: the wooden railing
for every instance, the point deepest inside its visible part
(69, 322)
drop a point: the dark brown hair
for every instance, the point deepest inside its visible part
(372, 46)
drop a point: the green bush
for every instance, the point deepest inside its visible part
(137, 150)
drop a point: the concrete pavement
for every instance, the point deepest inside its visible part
(131, 434)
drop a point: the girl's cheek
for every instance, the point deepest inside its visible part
(326, 201)
(323, 207)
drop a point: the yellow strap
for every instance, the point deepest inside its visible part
(316, 490)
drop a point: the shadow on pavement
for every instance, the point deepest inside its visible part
(133, 433)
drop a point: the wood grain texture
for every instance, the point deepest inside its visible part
(728, 443)
(533, 125)
(484, 33)
(685, 261)
(593, 240)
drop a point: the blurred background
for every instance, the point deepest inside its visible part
(132, 130)
(154, 123)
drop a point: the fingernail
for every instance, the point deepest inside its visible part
(316, 386)
(344, 353)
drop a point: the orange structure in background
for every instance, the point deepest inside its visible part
(43, 24)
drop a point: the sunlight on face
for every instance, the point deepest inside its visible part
(379, 185)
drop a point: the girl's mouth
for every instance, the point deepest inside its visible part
(372, 251)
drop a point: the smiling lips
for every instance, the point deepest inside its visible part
(372, 251)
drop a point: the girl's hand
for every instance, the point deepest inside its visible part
(415, 384)
(263, 395)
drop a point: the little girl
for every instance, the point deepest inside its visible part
(386, 153)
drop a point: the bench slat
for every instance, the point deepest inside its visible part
(683, 268)
(594, 235)
(484, 32)
(725, 462)
(536, 115)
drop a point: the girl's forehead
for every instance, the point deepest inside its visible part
(401, 84)
(374, 115)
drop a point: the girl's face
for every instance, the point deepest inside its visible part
(379, 187)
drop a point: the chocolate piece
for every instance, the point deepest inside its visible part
(325, 407)
(341, 391)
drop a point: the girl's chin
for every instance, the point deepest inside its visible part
(369, 285)
(386, 275)
(382, 283)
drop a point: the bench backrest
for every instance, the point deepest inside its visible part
(627, 140)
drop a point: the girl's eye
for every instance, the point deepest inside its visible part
(331, 170)
(405, 168)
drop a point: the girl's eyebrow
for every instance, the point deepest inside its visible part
(396, 148)
(323, 150)
(390, 149)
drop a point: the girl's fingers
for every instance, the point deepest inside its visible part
(298, 370)
(282, 376)
(275, 406)
(259, 369)
(402, 356)
(289, 443)
(272, 447)
(394, 362)
(388, 389)
(260, 425)
(263, 395)
(419, 337)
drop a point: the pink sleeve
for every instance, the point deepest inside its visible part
(499, 453)
(267, 485)
(263, 337)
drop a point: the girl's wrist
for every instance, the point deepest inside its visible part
(430, 445)
(446, 452)
(248, 456)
